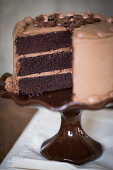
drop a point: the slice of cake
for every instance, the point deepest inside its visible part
(93, 62)
(43, 52)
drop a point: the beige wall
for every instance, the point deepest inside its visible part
(12, 11)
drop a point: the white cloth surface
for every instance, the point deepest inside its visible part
(25, 154)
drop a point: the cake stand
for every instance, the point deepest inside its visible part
(71, 144)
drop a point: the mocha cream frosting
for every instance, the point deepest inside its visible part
(98, 30)
(49, 73)
(93, 62)
(67, 49)
(53, 22)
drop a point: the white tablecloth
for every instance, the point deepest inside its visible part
(26, 151)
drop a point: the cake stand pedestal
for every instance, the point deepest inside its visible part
(71, 144)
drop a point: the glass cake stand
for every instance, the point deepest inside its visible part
(71, 144)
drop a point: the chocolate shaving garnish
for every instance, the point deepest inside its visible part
(52, 20)
(96, 20)
(38, 24)
(78, 21)
(90, 19)
(53, 17)
(50, 24)
(59, 22)
(39, 21)
(64, 21)
(40, 18)
(70, 22)
(78, 17)
(90, 15)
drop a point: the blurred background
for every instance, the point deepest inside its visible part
(12, 11)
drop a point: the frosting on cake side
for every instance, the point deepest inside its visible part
(93, 62)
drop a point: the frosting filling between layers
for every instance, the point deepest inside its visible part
(54, 72)
(44, 63)
(67, 49)
(16, 65)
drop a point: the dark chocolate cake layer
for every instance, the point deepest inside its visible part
(45, 63)
(37, 85)
(43, 42)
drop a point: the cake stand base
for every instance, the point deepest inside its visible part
(71, 144)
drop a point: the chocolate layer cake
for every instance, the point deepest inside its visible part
(43, 52)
